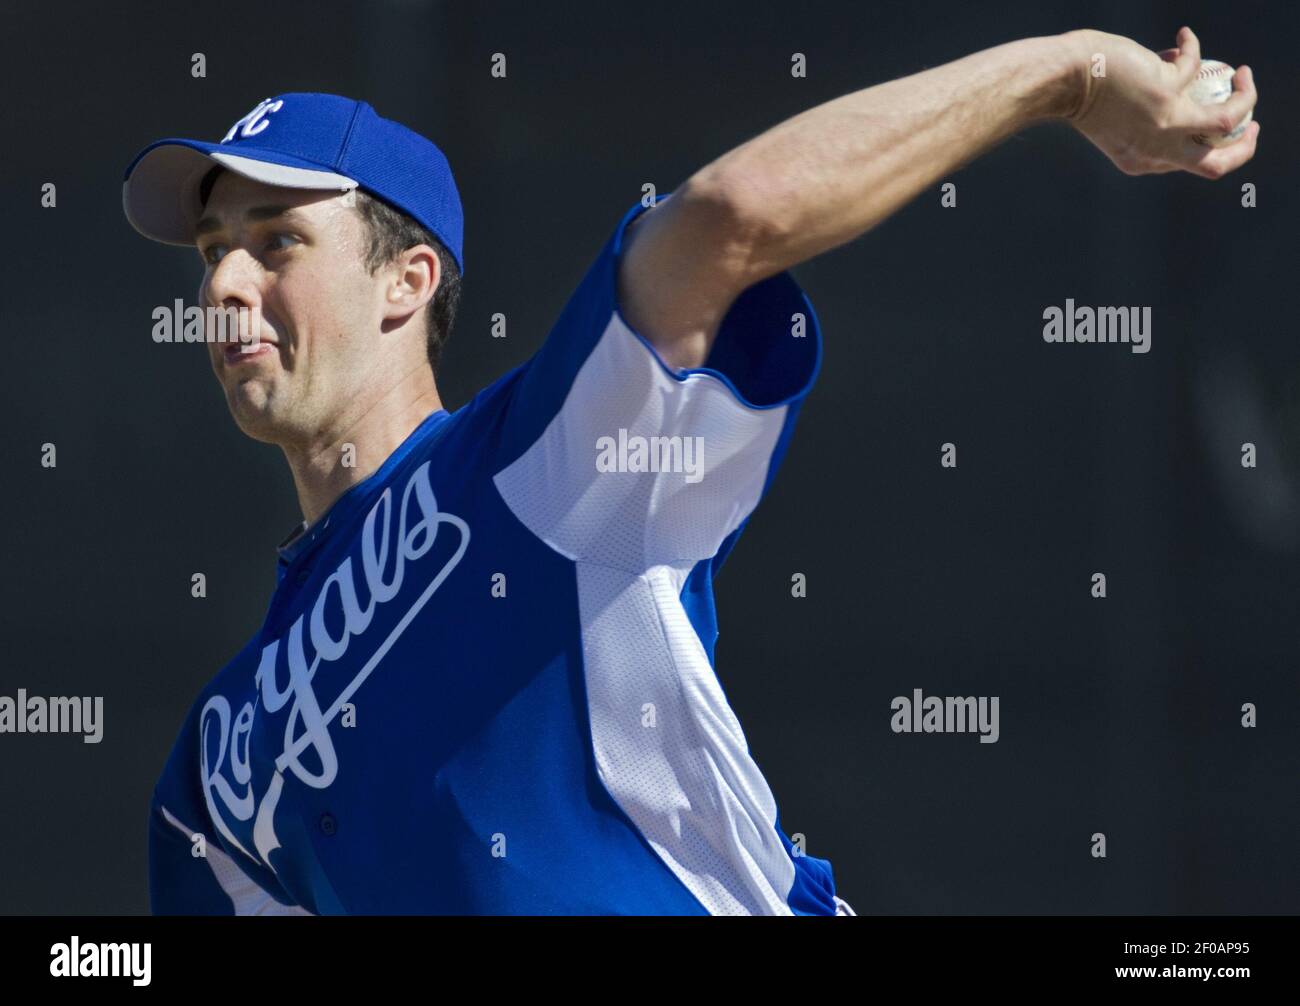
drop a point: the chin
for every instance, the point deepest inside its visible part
(255, 414)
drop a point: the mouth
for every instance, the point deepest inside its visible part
(237, 353)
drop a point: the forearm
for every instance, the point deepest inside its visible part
(827, 175)
(830, 174)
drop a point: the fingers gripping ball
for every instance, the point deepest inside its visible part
(1213, 86)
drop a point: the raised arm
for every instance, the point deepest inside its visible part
(827, 175)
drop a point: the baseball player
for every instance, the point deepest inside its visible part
(484, 683)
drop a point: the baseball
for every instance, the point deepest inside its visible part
(1213, 86)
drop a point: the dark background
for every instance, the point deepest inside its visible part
(1119, 715)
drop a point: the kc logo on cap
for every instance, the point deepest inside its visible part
(255, 121)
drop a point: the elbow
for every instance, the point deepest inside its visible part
(743, 218)
(740, 198)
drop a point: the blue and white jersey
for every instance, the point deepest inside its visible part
(485, 681)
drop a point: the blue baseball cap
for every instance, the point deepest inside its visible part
(298, 141)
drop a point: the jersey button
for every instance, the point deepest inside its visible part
(327, 824)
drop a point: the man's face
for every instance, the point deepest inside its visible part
(296, 258)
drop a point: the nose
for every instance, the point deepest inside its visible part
(233, 286)
(232, 282)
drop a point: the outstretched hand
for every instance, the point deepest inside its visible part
(1140, 116)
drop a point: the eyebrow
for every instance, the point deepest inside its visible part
(255, 214)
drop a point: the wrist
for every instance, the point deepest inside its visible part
(1062, 74)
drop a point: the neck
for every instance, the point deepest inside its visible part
(325, 469)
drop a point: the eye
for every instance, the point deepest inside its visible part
(213, 253)
(274, 243)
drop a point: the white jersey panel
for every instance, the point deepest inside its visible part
(688, 782)
(637, 519)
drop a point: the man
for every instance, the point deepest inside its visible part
(484, 683)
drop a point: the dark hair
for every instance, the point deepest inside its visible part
(390, 233)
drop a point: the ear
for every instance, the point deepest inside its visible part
(412, 280)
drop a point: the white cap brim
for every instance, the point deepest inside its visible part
(161, 194)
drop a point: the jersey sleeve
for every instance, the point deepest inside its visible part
(612, 457)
